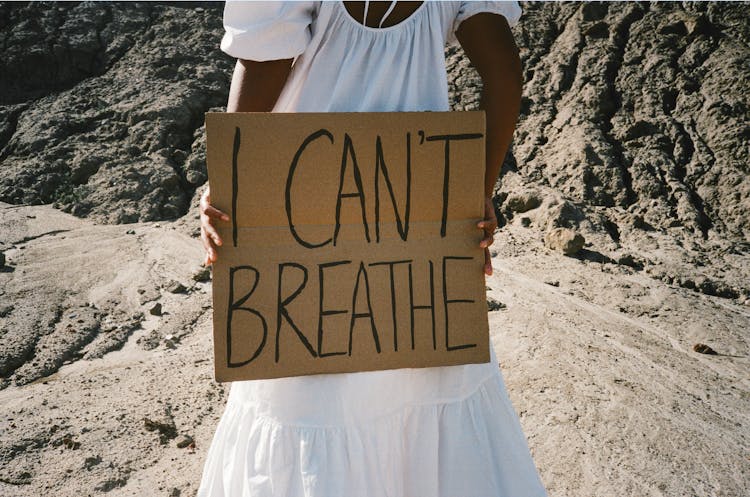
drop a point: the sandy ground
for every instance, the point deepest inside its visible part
(598, 359)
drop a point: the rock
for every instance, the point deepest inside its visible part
(702, 348)
(105, 123)
(552, 282)
(170, 341)
(183, 441)
(2, 260)
(109, 484)
(69, 443)
(5, 309)
(91, 461)
(175, 287)
(155, 309)
(565, 240)
(523, 201)
(494, 304)
(167, 430)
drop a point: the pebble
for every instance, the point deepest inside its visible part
(5, 309)
(176, 287)
(494, 304)
(702, 348)
(183, 441)
(564, 239)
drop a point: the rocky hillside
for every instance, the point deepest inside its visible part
(102, 105)
(636, 106)
(635, 130)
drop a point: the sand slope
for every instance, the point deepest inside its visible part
(597, 357)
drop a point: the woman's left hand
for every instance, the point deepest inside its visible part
(488, 224)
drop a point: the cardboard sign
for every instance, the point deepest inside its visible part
(352, 244)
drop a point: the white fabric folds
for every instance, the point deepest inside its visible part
(266, 30)
(413, 432)
(471, 446)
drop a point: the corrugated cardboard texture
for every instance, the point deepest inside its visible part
(352, 244)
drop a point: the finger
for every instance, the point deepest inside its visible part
(486, 242)
(208, 246)
(487, 224)
(212, 233)
(487, 262)
(215, 213)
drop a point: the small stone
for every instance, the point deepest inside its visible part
(494, 304)
(167, 430)
(91, 461)
(525, 221)
(523, 201)
(5, 309)
(552, 282)
(183, 441)
(702, 348)
(155, 309)
(176, 287)
(70, 443)
(130, 232)
(564, 239)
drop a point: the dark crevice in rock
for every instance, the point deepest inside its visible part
(10, 115)
(34, 237)
(621, 37)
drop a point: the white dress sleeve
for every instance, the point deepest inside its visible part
(267, 30)
(510, 10)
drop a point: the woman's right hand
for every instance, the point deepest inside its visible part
(209, 236)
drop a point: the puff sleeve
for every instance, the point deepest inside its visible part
(267, 30)
(510, 10)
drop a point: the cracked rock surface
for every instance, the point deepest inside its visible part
(102, 106)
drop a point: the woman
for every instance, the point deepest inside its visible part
(438, 432)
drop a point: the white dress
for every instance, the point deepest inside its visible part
(422, 432)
